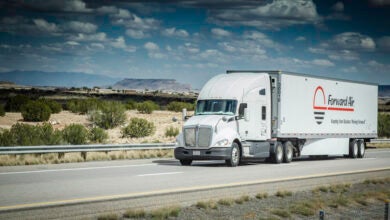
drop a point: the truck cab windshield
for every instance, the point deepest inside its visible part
(216, 107)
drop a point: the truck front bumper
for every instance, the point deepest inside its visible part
(214, 153)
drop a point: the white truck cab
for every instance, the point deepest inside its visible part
(239, 116)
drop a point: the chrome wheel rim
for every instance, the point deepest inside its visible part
(355, 149)
(289, 153)
(279, 153)
(235, 155)
(362, 149)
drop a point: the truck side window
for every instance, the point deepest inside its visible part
(262, 92)
(241, 109)
(263, 112)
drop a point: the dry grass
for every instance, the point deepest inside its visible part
(134, 213)
(166, 212)
(206, 204)
(242, 199)
(226, 202)
(283, 193)
(378, 145)
(108, 216)
(261, 195)
(55, 158)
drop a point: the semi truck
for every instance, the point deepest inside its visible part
(278, 116)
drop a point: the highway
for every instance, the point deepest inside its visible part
(24, 187)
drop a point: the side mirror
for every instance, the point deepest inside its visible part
(241, 110)
(246, 114)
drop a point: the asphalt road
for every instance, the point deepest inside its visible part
(45, 185)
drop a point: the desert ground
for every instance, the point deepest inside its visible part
(161, 119)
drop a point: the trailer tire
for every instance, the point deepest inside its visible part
(361, 148)
(235, 156)
(186, 162)
(353, 149)
(277, 155)
(287, 152)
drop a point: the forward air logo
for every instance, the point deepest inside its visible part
(321, 104)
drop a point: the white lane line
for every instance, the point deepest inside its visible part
(77, 169)
(159, 174)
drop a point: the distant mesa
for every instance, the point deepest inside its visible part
(152, 84)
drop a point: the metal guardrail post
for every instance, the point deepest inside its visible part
(322, 215)
(387, 211)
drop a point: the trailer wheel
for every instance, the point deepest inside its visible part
(277, 156)
(361, 148)
(186, 162)
(234, 156)
(287, 152)
(353, 149)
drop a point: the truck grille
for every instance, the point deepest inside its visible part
(197, 136)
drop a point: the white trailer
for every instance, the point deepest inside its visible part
(278, 115)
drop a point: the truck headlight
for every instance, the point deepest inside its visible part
(223, 142)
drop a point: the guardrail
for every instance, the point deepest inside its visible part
(378, 141)
(99, 148)
(82, 148)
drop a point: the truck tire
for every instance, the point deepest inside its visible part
(287, 152)
(234, 156)
(186, 162)
(361, 148)
(353, 149)
(277, 155)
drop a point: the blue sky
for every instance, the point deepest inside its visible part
(191, 41)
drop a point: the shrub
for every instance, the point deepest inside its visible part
(131, 104)
(383, 125)
(2, 111)
(138, 127)
(171, 132)
(15, 103)
(147, 107)
(178, 106)
(109, 115)
(83, 106)
(29, 135)
(54, 106)
(35, 111)
(97, 135)
(75, 134)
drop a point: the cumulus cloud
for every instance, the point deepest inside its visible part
(267, 14)
(322, 62)
(136, 34)
(353, 41)
(261, 39)
(80, 27)
(150, 46)
(345, 46)
(89, 37)
(300, 38)
(57, 6)
(173, 32)
(219, 32)
(384, 43)
(120, 43)
(45, 26)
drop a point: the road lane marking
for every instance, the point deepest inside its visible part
(159, 174)
(178, 190)
(77, 169)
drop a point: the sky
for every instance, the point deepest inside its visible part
(192, 41)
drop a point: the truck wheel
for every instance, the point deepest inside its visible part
(287, 152)
(361, 148)
(185, 162)
(277, 156)
(234, 156)
(353, 149)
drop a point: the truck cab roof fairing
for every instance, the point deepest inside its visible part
(231, 86)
